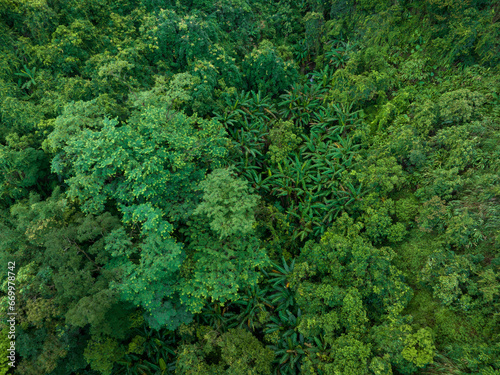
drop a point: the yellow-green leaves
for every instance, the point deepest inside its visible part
(419, 348)
(102, 353)
(234, 352)
(227, 203)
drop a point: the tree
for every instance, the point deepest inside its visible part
(234, 352)
(348, 291)
(146, 170)
(227, 203)
(63, 289)
(223, 252)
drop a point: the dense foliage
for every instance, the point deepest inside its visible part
(251, 187)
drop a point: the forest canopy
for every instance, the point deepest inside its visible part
(241, 187)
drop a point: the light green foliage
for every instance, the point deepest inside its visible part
(406, 208)
(241, 350)
(378, 220)
(464, 230)
(455, 280)
(489, 284)
(414, 69)
(419, 348)
(380, 366)
(462, 146)
(234, 352)
(102, 353)
(388, 111)
(75, 118)
(459, 105)
(425, 115)
(489, 371)
(210, 83)
(389, 339)
(136, 345)
(382, 172)
(218, 267)
(360, 293)
(4, 346)
(353, 315)
(171, 94)
(228, 203)
(350, 357)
